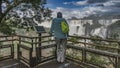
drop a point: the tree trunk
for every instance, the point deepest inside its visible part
(0, 10)
(2, 17)
(0, 7)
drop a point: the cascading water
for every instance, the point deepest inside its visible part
(89, 27)
(93, 27)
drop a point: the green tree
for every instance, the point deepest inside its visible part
(6, 6)
(10, 4)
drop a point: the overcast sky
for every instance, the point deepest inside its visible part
(82, 8)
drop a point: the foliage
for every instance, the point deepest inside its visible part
(5, 28)
(114, 36)
(10, 4)
(94, 39)
(74, 40)
(114, 30)
(97, 60)
(11, 8)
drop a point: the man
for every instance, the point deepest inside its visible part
(60, 37)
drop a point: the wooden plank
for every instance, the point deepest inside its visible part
(24, 47)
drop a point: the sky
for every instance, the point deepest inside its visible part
(84, 8)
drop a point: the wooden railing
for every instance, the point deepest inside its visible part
(35, 47)
(6, 44)
(35, 50)
(92, 47)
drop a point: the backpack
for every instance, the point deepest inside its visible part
(64, 27)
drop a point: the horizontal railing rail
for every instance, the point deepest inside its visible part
(81, 37)
(5, 46)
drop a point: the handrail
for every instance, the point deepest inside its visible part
(26, 41)
(101, 45)
(42, 36)
(6, 36)
(32, 37)
(69, 36)
(47, 46)
(24, 36)
(7, 40)
(42, 41)
(5, 46)
(25, 47)
(81, 37)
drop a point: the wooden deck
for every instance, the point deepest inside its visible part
(55, 64)
(10, 63)
(50, 64)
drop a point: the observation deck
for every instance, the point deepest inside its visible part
(40, 52)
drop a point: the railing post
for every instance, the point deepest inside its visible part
(118, 65)
(83, 55)
(12, 51)
(84, 52)
(55, 51)
(12, 48)
(31, 62)
(38, 49)
(18, 48)
(31, 59)
(32, 43)
(85, 43)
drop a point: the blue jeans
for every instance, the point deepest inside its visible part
(61, 49)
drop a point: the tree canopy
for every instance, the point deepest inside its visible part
(7, 5)
(8, 9)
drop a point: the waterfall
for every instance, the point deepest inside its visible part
(90, 27)
(86, 27)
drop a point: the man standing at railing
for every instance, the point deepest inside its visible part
(60, 30)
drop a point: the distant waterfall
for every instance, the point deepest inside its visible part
(88, 27)
(91, 27)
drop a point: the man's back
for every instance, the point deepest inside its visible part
(56, 28)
